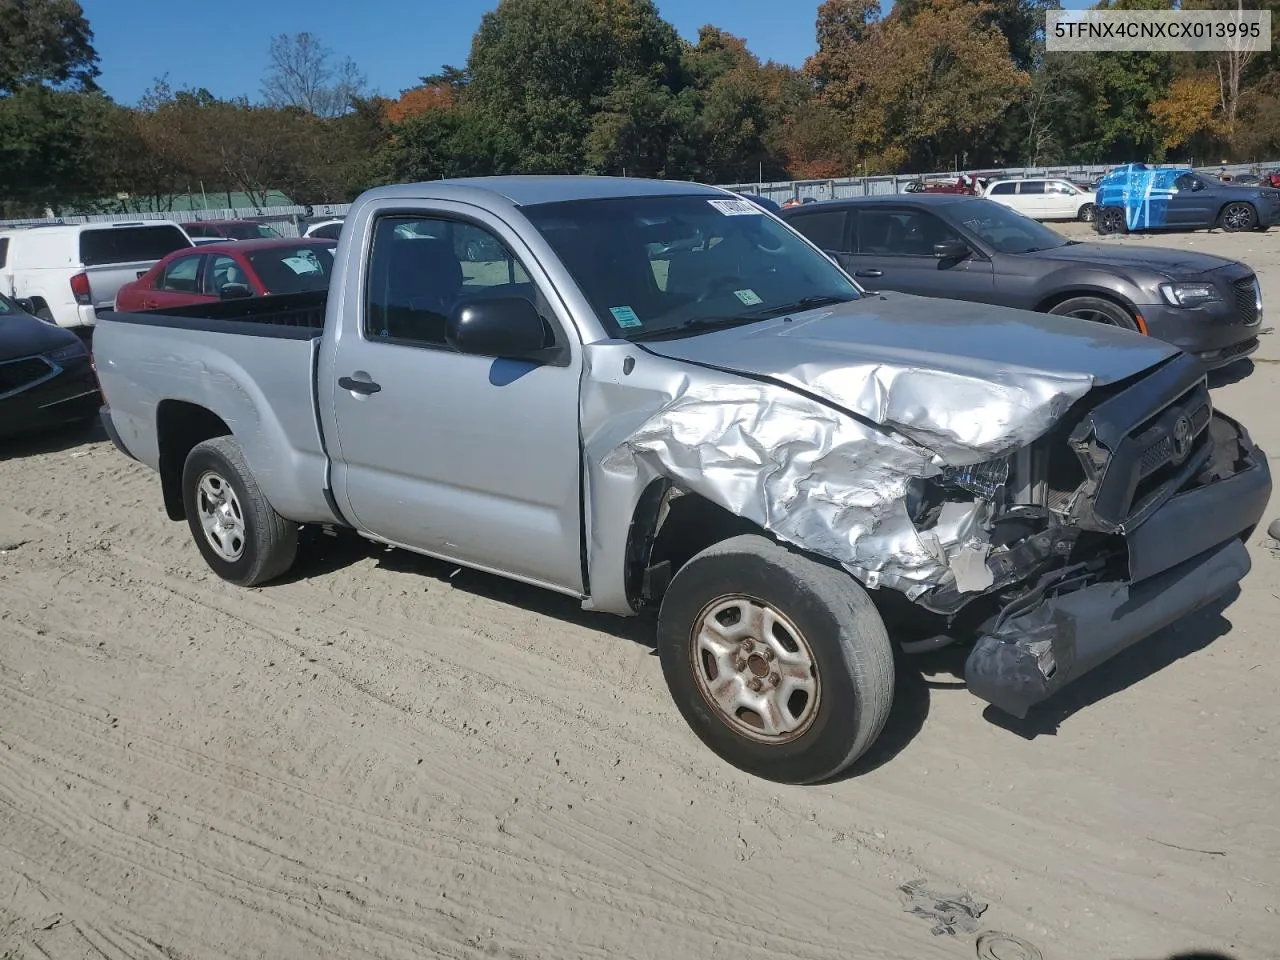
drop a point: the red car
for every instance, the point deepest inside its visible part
(227, 271)
(230, 229)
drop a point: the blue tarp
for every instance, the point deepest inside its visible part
(1142, 192)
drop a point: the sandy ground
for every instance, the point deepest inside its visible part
(378, 758)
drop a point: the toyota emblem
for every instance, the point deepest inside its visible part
(1181, 437)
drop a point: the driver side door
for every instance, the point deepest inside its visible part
(1192, 203)
(469, 458)
(895, 252)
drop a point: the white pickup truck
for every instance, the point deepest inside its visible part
(656, 395)
(71, 272)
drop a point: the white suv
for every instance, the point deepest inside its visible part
(71, 271)
(1044, 198)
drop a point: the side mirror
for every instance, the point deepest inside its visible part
(235, 291)
(951, 250)
(25, 303)
(501, 327)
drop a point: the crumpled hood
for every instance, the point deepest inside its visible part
(1161, 259)
(968, 381)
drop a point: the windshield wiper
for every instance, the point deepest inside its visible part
(804, 303)
(695, 325)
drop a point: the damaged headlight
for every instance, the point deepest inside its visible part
(983, 480)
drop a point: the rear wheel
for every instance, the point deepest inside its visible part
(1096, 310)
(1238, 217)
(780, 664)
(1088, 213)
(1110, 220)
(237, 531)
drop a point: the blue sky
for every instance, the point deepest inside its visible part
(223, 46)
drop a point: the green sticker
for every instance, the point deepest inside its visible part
(625, 316)
(749, 297)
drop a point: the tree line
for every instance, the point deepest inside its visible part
(609, 87)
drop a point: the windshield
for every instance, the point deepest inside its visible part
(6, 308)
(658, 265)
(294, 269)
(1003, 229)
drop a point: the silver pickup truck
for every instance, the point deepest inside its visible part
(656, 395)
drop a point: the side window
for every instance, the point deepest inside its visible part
(1031, 186)
(422, 268)
(224, 270)
(1060, 188)
(1185, 182)
(901, 233)
(1003, 189)
(824, 228)
(4, 250)
(181, 276)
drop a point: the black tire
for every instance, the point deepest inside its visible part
(839, 640)
(45, 314)
(1238, 217)
(1110, 220)
(1087, 214)
(1096, 310)
(268, 542)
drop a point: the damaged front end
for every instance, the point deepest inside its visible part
(1056, 520)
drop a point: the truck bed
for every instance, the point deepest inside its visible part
(294, 316)
(251, 362)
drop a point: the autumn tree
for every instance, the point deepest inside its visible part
(1190, 115)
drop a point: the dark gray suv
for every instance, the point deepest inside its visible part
(969, 248)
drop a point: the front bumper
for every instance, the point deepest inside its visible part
(70, 396)
(1186, 555)
(1213, 334)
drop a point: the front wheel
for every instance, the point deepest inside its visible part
(1096, 310)
(780, 664)
(1088, 213)
(1238, 217)
(237, 531)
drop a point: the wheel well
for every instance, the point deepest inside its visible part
(1048, 303)
(668, 530)
(179, 427)
(39, 302)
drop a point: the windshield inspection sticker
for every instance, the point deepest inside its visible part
(737, 208)
(625, 316)
(749, 297)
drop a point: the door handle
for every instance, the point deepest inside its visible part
(869, 273)
(359, 386)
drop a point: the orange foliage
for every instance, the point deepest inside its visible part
(416, 101)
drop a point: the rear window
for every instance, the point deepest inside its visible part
(294, 269)
(130, 244)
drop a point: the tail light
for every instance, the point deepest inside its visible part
(80, 288)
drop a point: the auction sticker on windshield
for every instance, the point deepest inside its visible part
(749, 297)
(737, 208)
(625, 316)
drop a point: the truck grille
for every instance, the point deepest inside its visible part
(1246, 301)
(16, 374)
(1124, 469)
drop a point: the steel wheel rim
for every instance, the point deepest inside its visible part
(1088, 214)
(1237, 216)
(755, 669)
(221, 516)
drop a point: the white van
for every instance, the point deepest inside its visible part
(1044, 198)
(72, 271)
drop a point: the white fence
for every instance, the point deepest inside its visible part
(291, 220)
